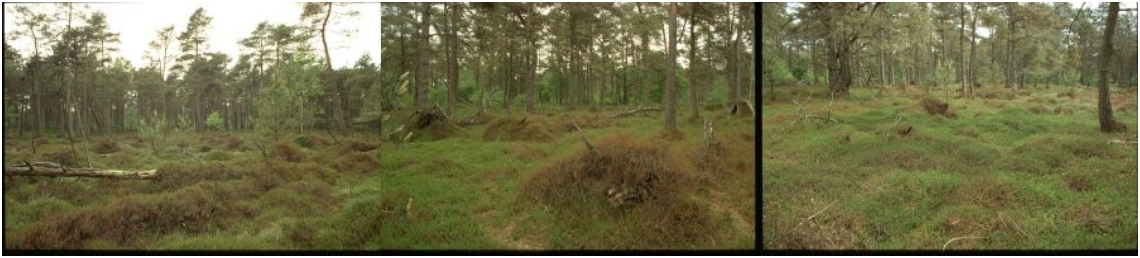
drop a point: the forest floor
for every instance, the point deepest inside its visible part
(213, 191)
(1004, 170)
(529, 182)
(501, 184)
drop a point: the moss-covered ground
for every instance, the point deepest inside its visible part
(1010, 170)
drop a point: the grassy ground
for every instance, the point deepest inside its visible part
(1010, 170)
(489, 186)
(311, 193)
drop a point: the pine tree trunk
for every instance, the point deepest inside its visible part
(452, 57)
(424, 57)
(973, 52)
(670, 76)
(1104, 107)
(338, 109)
(693, 102)
(730, 67)
(961, 47)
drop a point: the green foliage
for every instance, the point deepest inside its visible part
(283, 105)
(374, 104)
(152, 132)
(781, 74)
(945, 74)
(800, 71)
(215, 121)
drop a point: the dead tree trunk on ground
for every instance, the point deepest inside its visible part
(53, 170)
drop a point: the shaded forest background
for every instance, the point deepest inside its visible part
(933, 44)
(572, 54)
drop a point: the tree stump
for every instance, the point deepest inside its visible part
(425, 118)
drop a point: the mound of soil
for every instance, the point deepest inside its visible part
(353, 145)
(288, 151)
(623, 172)
(59, 154)
(356, 162)
(311, 141)
(106, 146)
(647, 192)
(194, 209)
(233, 142)
(937, 107)
(528, 128)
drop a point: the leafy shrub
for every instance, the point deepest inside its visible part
(215, 121)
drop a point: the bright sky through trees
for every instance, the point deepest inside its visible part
(136, 24)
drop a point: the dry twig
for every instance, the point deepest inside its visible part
(956, 239)
(813, 215)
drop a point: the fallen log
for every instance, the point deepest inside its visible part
(633, 112)
(54, 170)
(1122, 142)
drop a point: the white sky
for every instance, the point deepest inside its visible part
(137, 24)
(984, 32)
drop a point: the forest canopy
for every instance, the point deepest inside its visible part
(944, 43)
(66, 72)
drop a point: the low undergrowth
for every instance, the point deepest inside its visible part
(494, 186)
(216, 191)
(1009, 170)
